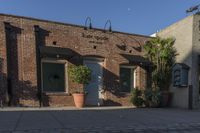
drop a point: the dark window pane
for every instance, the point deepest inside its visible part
(126, 79)
(53, 77)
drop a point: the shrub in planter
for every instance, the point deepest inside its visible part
(81, 75)
(162, 53)
(137, 97)
(152, 98)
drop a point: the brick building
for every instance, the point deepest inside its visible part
(35, 55)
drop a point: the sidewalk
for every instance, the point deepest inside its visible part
(98, 120)
(63, 108)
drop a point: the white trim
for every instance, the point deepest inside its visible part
(134, 78)
(56, 61)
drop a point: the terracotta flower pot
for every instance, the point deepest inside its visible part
(79, 99)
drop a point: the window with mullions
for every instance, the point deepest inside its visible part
(126, 79)
(53, 77)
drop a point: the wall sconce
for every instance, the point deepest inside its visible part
(90, 23)
(110, 27)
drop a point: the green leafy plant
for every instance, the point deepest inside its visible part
(161, 53)
(137, 97)
(152, 97)
(80, 74)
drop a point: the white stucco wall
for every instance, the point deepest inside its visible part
(182, 31)
(195, 60)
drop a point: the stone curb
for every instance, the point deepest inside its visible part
(61, 108)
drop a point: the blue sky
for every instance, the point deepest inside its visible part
(133, 16)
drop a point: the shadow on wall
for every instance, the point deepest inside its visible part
(40, 40)
(44, 51)
(3, 79)
(111, 82)
(109, 102)
(25, 92)
(16, 92)
(111, 87)
(12, 61)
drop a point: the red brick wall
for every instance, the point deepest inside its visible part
(3, 65)
(65, 36)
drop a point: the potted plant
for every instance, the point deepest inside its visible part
(161, 53)
(80, 75)
(152, 97)
(137, 97)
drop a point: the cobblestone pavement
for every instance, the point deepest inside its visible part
(101, 121)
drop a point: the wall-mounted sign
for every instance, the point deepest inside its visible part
(95, 38)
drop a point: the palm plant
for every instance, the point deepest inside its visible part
(161, 53)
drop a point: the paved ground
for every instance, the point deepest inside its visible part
(101, 121)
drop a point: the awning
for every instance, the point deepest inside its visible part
(94, 57)
(137, 59)
(48, 51)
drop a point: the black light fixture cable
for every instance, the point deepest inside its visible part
(110, 27)
(88, 19)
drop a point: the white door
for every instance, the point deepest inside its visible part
(94, 88)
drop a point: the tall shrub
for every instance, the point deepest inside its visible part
(161, 53)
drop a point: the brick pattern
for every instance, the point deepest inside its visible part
(84, 42)
(3, 65)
